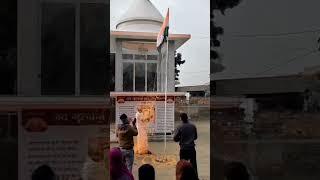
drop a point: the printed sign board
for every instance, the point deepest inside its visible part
(72, 142)
(152, 106)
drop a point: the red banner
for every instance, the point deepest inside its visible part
(121, 99)
(66, 117)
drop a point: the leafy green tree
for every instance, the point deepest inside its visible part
(218, 6)
(178, 62)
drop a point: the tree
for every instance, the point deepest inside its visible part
(178, 62)
(221, 6)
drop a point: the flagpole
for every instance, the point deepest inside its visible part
(163, 37)
(165, 99)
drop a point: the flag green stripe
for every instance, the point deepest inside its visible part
(166, 32)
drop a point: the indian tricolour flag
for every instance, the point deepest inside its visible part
(164, 31)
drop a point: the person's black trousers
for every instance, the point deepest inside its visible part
(190, 155)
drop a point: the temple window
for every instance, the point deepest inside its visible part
(58, 49)
(140, 78)
(140, 72)
(74, 60)
(151, 77)
(127, 76)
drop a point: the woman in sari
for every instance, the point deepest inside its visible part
(118, 168)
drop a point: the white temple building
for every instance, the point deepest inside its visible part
(140, 72)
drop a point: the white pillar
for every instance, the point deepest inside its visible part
(171, 68)
(118, 67)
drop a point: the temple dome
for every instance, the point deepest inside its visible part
(142, 16)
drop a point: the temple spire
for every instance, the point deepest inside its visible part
(140, 14)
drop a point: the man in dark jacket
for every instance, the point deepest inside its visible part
(186, 134)
(125, 133)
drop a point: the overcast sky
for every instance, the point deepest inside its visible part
(187, 17)
(269, 38)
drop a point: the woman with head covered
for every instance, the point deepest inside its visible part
(118, 168)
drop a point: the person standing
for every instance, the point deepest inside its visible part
(125, 133)
(186, 134)
(118, 170)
